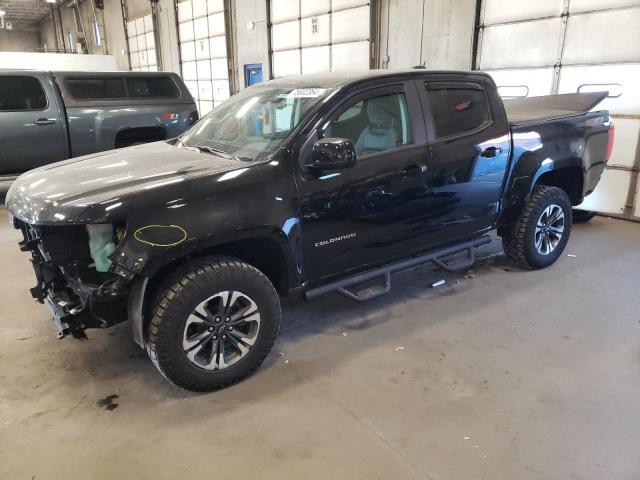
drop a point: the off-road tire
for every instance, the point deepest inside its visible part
(519, 240)
(178, 298)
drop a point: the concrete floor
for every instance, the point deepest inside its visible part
(503, 375)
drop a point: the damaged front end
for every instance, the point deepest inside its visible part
(72, 268)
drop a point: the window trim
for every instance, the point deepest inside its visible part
(426, 85)
(46, 97)
(372, 92)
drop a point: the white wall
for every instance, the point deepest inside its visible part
(251, 44)
(18, 41)
(435, 33)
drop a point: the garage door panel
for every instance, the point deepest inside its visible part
(499, 11)
(530, 44)
(188, 51)
(142, 42)
(189, 71)
(192, 86)
(202, 49)
(284, 10)
(143, 58)
(131, 29)
(185, 30)
(628, 103)
(139, 26)
(148, 23)
(591, 5)
(215, 6)
(216, 24)
(133, 44)
(315, 31)
(184, 11)
(340, 4)
(626, 141)
(204, 107)
(350, 56)
(135, 60)
(349, 25)
(286, 62)
(200, 28)
(538, 81)
(285, 35)
(316, 7)
(205, 91)
(220, 90)
(610, 196)
(199, 8)
(589, 37)
(204, 69)
(218, 47)
(219, 69)
(316, 59)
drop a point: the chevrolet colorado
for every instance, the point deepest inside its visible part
(301, 186)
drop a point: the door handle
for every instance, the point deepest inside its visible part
(410, 171)
(490, 152)
(44, 121)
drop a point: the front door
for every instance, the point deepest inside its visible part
(362, 216)
(31, 129)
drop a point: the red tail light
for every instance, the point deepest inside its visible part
(193, 117)
(612, 133)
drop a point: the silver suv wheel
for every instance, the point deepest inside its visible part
(221, 330)
(549, 229)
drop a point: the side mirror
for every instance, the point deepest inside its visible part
(333, 154)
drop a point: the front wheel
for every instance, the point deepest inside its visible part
(542, 231)
(214, 324)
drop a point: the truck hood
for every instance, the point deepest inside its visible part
(62, 191)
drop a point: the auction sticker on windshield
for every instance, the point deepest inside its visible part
(306, 92)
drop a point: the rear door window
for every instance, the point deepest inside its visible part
(96, 88)
(457, 110)
(152, 87)
(21, 93)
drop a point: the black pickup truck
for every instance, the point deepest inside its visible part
(299, 187)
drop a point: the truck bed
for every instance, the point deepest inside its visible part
(521, 111)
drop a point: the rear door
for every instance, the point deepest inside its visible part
(32, 132)
(469, 140)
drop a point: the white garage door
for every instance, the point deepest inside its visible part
(203, 51)
(561, 46)
(142, 44)
(319, 36)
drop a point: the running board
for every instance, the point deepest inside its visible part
(437, 258)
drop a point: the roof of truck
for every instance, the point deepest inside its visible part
(338, 79)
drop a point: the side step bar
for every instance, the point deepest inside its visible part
(436, 258)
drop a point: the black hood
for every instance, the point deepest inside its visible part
(62, 191)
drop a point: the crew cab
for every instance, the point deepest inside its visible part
(301, 186)
(46, 117)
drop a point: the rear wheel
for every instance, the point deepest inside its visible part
(214, 325)
(542, 231)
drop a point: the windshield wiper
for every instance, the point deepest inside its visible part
(215, 151)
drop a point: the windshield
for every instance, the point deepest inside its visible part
(252, 125)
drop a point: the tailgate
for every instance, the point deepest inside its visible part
(549, 107)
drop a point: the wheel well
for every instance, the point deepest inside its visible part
(262, 253)
(568, 179)
(131, 136)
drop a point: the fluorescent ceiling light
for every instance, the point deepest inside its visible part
(51, 1)
(2, 13)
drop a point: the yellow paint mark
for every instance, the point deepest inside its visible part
(141, 229)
